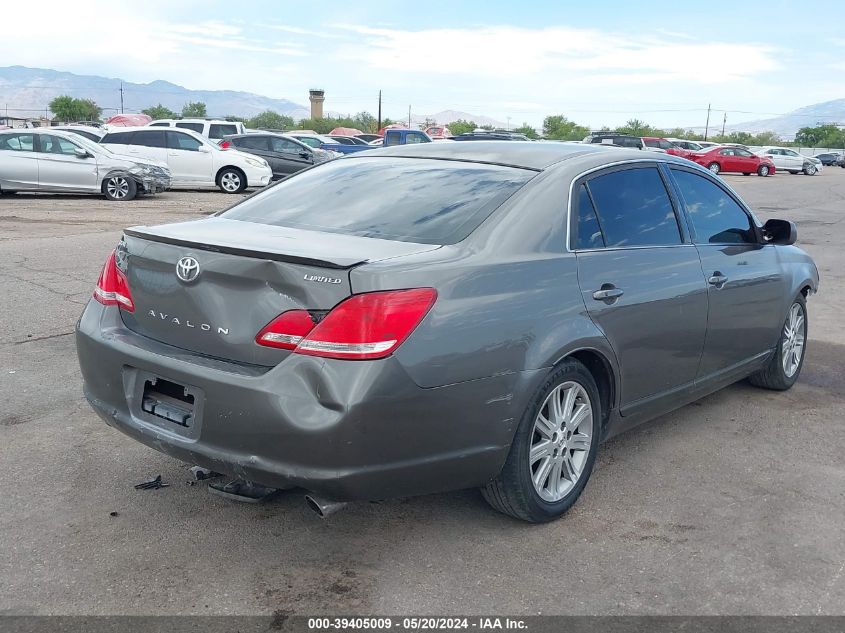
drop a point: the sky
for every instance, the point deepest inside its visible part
(598, 62)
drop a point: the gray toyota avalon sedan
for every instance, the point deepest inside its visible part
(441, 316)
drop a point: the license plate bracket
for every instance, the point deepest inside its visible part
(169, 401)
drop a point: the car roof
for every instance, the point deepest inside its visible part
(524, 154)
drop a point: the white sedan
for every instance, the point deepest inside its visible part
(786, 159)
(53, 161)
(194, 161)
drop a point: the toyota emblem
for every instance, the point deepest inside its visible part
(187, 269)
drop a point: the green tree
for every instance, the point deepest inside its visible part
(461, 126)
(557, 127)
(195, 109)
(526, 129)
(821, 136)
(365, 122)
(635, 127)
(270, 120)
(68, 109)
(159, 112)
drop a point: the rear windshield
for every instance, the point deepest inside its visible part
(403, 199)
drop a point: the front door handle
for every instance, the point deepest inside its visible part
(608, 292)
(717, 279)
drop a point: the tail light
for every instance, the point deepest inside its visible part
(362, 327)
(112, 287)
(225, 144)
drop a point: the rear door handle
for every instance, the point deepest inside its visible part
(608, 293)
(717, 279)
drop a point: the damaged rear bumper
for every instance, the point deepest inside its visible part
(348, 430)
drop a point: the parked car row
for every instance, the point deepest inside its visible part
(726, 157)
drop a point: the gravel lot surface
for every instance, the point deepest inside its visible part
(732, 505)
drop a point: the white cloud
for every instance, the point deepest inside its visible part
(511, 51)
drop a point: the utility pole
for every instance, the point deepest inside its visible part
(707, 125)
(121, 97)
(724, 120)
(409, 116)
(509, 124)
(379, 111)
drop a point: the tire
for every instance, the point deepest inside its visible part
(779, 375)
(120, 188)
(810, 169)
(763, 170)
(714, 168)
(561, 471)
(231, 180)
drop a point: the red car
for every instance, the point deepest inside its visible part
(724, 158)
(667, 146)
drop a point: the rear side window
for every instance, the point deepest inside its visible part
(196, 127)
(403, 199)
(219, 130)
(149, 138)
(634, 208)
(588, 230)
(117, 138)
(716, 217)
(159, 124)
(17, 142)
(176, 140)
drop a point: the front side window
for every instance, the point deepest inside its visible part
(310, 141)
(651, 143)
(716, 217)
(285, 146)
(17, 142)
(634, 208)
(256, 142)
(175, 140)
(56, 145)
(422, 201)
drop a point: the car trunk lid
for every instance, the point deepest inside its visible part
(246, 275)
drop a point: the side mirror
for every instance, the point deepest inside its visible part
(780, 232)
(304, 154)
(81, 153)
(204, 149)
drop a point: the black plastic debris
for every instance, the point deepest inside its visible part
(152, 484)
(200, 473)
(242, 490)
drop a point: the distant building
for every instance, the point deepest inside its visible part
(317, 96)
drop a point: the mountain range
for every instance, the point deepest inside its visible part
(25, 92)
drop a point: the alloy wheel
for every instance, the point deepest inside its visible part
(792, 348)
(117, 187)
(230, 181)
(561, 441)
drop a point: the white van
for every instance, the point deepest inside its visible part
(214, 129)
(193, 160)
